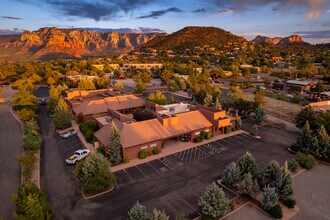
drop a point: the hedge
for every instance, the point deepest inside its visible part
(88, 128)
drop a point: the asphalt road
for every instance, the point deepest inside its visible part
(10, 148)
(176, 190)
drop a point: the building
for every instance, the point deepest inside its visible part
(298, 86)
(176, 122)
(320, 107)
(77, 78)
(141, 66)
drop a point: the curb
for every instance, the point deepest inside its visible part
(93, 196)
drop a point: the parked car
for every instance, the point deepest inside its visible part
(154, 84)
(43, 101)
(78, 156)
(68, 134)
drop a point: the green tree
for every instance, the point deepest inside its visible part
(208, 100)
(232, 174)
(269, 199)
(238, 122)
(32, 204)
(27, 161)
(284, 182)
(140, 86)
(143, 75)
(166, 75)
(259, 97)
(157, 98)
(55, 95)
(114, 149)
(323, 146)
(306, 114)
(118, 86)
(94, 174)
(26, 114)
(234, 92)
(259, 115)
(138, 212)
(306, 142)
(86, 84)
(319, 87)
(51, 81)
(159, 215)
(272, 172)
(247, 186)
(217, 103)
(247, 164)
(214, 202)
(62, 115)
(24, 99)
(118, 74)
(102, 82)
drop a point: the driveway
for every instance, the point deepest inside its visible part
(311, 191)
(10, 148)
(173, 183)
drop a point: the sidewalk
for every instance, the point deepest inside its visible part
(172, 149)
(89, 146)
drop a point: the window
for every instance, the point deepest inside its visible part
(144, 147)
(197, 133)
(153, 145)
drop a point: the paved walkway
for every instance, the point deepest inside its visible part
(171, 148)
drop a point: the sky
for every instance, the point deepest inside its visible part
(246, 18)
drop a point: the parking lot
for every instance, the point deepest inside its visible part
(70, 145)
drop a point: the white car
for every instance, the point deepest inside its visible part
(78, 156)
(68, 134)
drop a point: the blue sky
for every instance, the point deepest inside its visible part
(247, 18)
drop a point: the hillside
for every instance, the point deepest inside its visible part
(279, 41)
(191, 37)
(49, 43)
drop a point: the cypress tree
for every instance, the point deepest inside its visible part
(114, 149)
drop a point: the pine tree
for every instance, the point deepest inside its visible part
(114, 149)
(247, 164)
(94, 173)
(269, 199)
(247, 186)
(232, 174)
(238, 122)
(306, 143)
(140, 86)
(217, 103)
(284, 185)
(323, 147)
(259, 97)
(138, 212)
(214, 202)
(159, 215)
(273, 170)
(259, 115)
(62, 116)
(306, 114)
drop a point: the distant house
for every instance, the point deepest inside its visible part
(320, 107)
(77, 78)
(141, 66)
(298, 86)
(247, 66)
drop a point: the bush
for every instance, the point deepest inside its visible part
(27, 161)
(290, 203)
(227, 129)
(32, 142)
(143, 154)
(26, 114)
(198, 139)
(155, 151)
(276, 212)
(293, 165)
(306, 161)
(126, 159)
(88, 128)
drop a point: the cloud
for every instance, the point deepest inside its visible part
(327, 24)
(225, 11)
(156, 14)
(143, 30)
(312, 8)
(9, 32)
(11, 18)
(200, 10)
(322, 34)
(96, 9)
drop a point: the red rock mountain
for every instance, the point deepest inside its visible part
(48, 43)
(286, 41)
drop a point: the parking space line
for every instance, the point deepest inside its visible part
(141, 171)
(241, 137)
(129, 176)
(235, 140)
(230, 143)
(153, 167)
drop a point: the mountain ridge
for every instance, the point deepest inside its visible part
(279, 41)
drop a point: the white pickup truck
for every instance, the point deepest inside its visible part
(77, 156)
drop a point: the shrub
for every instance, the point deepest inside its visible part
(88, 128)
(198, 139)
(27, 161)
(142, 154)
(290, 203)
(26, 114)
(293, 165)
(155, 151)
(126, 159)
(32, 142)
(306, 161)
(227, 129)
(208, 136)
(276, 212)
